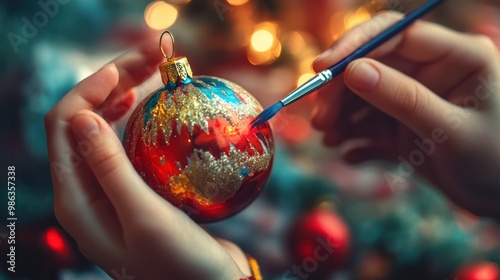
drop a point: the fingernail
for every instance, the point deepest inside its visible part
(363, 76)
(324, 55)
(107, 66)
(84, 126)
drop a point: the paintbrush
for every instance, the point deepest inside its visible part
(323, 77)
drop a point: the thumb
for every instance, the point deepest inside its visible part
(398, 95)
(106, 157)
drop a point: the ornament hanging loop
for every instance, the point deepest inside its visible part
(173, 45)
(175, 69)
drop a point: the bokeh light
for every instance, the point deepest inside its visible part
(355, 18)
(55, 240)
(262, 40)
(159, 15)
(237, 2)
(304, 78)
(264, 58)
(265, 46)
(296, 43)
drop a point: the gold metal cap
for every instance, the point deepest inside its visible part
(174, 69)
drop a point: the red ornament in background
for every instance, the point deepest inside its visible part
(193, 143)
(477, 271)
(319, 243)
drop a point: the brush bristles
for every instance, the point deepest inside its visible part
(267, 114)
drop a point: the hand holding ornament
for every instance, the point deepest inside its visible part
(117, 220)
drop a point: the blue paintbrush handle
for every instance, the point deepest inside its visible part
(385, 36)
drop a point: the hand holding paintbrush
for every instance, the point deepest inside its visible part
(428, 101)
(322, 78)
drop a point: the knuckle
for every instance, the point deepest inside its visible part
(389, 14)
(395, 14)
(367, 30)
(486, 43)
(485, 40)
(412, 99)
(385, 18)
(105, 160)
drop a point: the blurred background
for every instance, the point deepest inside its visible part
(266, 46)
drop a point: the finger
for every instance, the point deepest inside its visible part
(237, 254)
(140, 209)
(375, 126)
(362, 155)
(71, 185)
(64, 158)
(397, 95)
(87, 94)
(74, 189)
(107, 159)
(328, 104)
(357, 37)
(134, 68)
(382, 147)
(422, 42)
(336, 105)
(113, 110)
(400, 63)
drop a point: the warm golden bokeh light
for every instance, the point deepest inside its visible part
(237, 2)
(160, 15)
(265, 46)
(264, 58)
(306, 62)
(262, 40)
(296, 43)
(359, 16)
(336, 25)
(304, 78)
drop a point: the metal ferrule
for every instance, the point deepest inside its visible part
(310, 86)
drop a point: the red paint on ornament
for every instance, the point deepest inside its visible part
(217, 142)
(210, 167)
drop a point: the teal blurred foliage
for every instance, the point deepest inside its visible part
(37, 70)
(415, 229)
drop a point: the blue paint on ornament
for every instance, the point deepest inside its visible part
(218, 88)
(150, 106)
(245, 172)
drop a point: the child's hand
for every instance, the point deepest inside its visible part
(428, 99)
(116, 219)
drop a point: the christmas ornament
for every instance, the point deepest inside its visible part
(319, 243)
(192, 142)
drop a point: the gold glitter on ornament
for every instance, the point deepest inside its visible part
(194, 109)
(216, 180)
